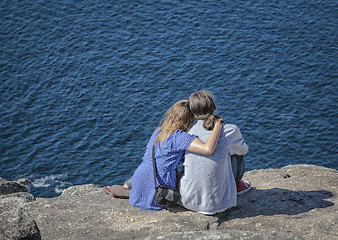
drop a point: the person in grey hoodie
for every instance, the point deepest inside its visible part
(210, 184)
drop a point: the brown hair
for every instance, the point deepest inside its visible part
(178, 116)
(202, 105)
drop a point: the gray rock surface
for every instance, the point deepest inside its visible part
(225, 235)
(294, 202)
(297, 199)
(15, 222)
(8, 187)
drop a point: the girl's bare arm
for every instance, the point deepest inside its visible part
(208, 147)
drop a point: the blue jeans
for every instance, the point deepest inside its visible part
(238, 167)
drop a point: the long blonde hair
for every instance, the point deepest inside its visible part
(202, 105)
(178, 116)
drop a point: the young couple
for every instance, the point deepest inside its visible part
(213, 167)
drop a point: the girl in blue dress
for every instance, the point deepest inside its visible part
(171, 140)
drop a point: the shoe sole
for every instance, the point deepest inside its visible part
(119, 191)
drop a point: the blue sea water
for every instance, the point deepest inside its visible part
(84, 83)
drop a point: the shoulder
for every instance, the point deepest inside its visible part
(183, 138)
(179, 132)
(198, 128)
(231, 130)
(230, 127)
(176, 136)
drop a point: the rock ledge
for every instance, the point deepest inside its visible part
(294, 202)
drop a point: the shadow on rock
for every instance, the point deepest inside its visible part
(276, 201)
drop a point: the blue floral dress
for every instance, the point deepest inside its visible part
(168, 155)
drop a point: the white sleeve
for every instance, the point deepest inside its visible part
(236, 143)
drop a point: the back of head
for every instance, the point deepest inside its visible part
(178, 116)
(202, 105)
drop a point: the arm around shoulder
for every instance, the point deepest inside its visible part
(208, 147)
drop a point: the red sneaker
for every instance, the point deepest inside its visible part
(243, 187)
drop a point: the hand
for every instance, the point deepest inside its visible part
(220, 121)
